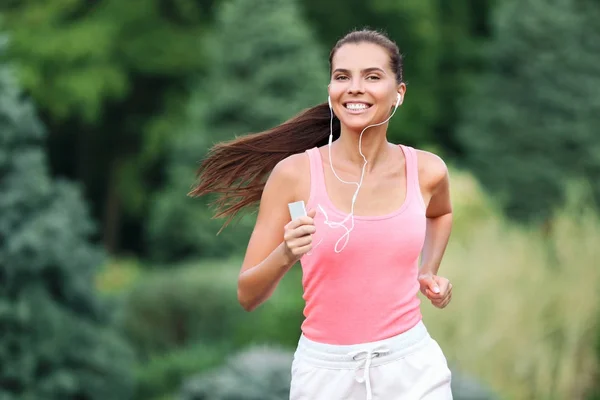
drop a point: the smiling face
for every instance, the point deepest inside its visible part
(363, 87)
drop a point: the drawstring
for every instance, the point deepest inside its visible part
(367, 356)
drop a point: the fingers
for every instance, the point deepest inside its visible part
(429, 285)
(298, 234)
(295, 223)
(442, 301)
(300, 242)
(302, 231)
(303, 249)
(441, 284)
(444, 295)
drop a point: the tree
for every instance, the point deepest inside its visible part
(57, 341)
(261, 74)
(109, 78)
(530, 126)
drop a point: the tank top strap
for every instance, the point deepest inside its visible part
(317, 177)
(412, 175)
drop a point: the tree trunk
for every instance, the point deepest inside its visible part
(112, 210)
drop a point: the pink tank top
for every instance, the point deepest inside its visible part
(368, 291)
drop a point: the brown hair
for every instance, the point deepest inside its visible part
(237, 170)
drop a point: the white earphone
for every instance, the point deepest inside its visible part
(358, 184)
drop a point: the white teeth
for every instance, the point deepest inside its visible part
(356, 106)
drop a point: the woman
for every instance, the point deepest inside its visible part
(374, 207)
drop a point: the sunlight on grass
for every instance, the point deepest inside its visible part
(118, 275)
(524, 315)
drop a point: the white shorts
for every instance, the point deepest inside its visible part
(410, 366)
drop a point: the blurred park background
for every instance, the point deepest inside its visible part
(114, 284)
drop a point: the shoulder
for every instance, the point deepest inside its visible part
(432, 169)
(292, 170)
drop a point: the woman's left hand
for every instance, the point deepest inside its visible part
(437, 289)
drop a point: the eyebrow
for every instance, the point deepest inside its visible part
(366, 70)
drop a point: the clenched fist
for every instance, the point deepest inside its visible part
(436, 288)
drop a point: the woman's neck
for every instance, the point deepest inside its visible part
(374, 146)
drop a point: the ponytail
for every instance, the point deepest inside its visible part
(237, 170)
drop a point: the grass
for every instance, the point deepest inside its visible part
(524, 315)
(120, 275)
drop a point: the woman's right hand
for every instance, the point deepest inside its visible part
(298, 236)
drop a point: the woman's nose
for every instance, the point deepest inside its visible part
(356, 86)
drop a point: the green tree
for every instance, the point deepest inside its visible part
(261, 74)
(109, 78)
(57, 341)
(530, 126)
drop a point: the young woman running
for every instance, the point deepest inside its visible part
(373, 208)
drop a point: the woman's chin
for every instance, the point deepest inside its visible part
(356, 124)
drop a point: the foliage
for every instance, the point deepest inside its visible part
(525, 319)
(257, 373)
(260, 75)
(169, 309)
(117, 276)
(57, 341)
(529, 127)
(82, 54)
(163, 375)
(110, 80)
(182, 320)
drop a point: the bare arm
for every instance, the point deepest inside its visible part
(268, 257)
(439, 214)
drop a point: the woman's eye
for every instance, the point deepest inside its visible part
(341, 77)
(373, 77)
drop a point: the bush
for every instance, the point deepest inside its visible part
(169, 308)
(277, 320)
(163, 375)
(173, 308)
(258, 373)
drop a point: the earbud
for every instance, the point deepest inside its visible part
(329, 100)
(398, 101)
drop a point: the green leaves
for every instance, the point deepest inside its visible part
(259, 75)
(57, 341)
(529, 127)
(81, 55)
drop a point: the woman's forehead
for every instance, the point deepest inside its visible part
(359, 56)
